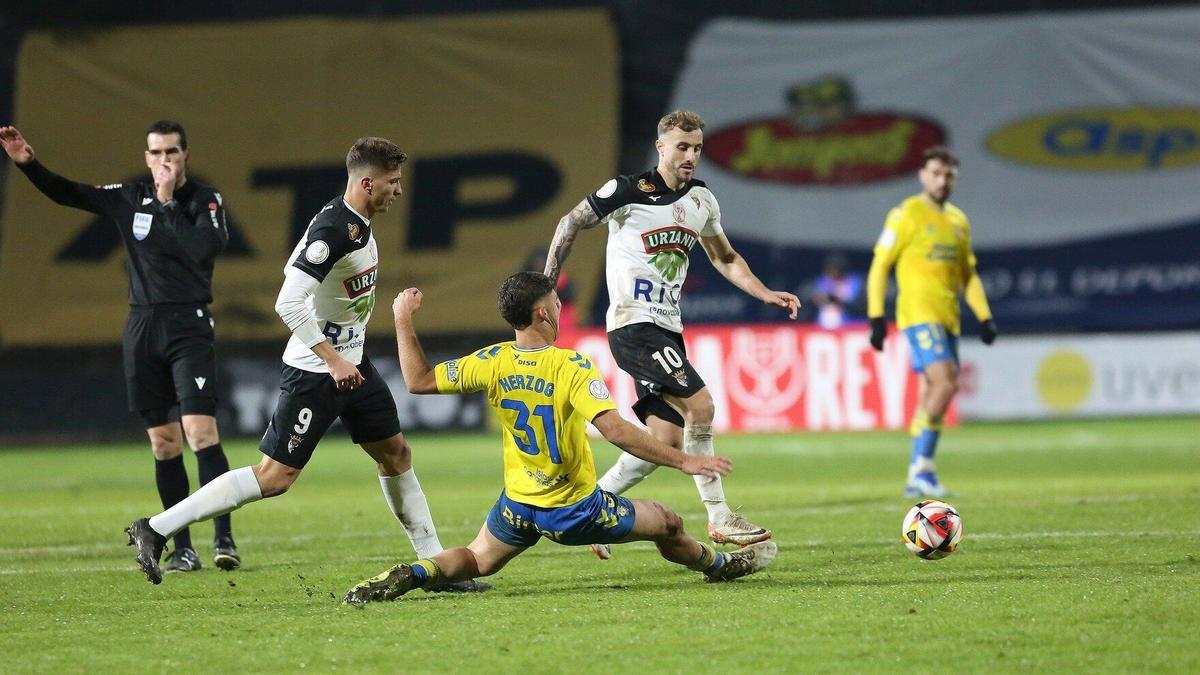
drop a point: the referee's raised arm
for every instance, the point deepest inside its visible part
(62, 190)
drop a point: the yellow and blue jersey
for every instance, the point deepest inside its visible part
(930, 247)
(544, 397)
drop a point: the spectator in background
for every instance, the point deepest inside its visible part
(837, 294)
(536, 262)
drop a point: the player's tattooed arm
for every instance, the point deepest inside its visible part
(582, 217)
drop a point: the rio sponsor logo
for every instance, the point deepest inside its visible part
(361, 283)
(1103, 139)
(861, 148)
(674, 238)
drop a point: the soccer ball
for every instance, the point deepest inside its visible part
(932, 529)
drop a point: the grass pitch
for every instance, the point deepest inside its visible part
(1081, 553)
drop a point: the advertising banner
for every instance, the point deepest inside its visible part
(1079, 136)
(247, 389)
(252, 390)
(1066, 376)
(508, 119)
(776, 378)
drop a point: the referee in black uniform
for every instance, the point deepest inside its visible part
(173, 229)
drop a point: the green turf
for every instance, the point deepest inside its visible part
(1082, 553)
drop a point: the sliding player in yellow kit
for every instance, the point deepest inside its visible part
(545, 397)
(928, 240)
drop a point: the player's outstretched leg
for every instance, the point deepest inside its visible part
(657, 523)
(406, 500)
(483, 557)
(223, 494)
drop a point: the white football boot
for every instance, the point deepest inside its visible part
(735, 529)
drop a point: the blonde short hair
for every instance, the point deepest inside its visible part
(686, 120)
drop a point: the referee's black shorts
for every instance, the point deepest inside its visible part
(657, 361)
(170, 360)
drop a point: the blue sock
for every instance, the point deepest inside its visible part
(420, 576)
(717, 563)
(924, 444)
(425, 573)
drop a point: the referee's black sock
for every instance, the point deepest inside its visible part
(171, 477)
(213, 463)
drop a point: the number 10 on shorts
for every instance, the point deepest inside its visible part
(668, 358)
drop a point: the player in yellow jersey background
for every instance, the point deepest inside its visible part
(544, 397)
(928, 240)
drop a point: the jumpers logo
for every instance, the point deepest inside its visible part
(823, 140)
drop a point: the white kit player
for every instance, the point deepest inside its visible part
(654, 219)
(326, 300)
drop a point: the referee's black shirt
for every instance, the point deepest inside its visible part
(171, 248)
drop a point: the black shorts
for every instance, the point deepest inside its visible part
(657, 360)
(310, 402)
(170, 360)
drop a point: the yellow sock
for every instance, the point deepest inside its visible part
(429, 568)
(708, 556)
(919, 422)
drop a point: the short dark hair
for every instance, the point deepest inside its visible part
(165, 127)
(686, 120)
(939, 152)
(518, 296)
(376, 153)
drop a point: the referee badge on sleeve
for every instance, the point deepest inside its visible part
(141, 225)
